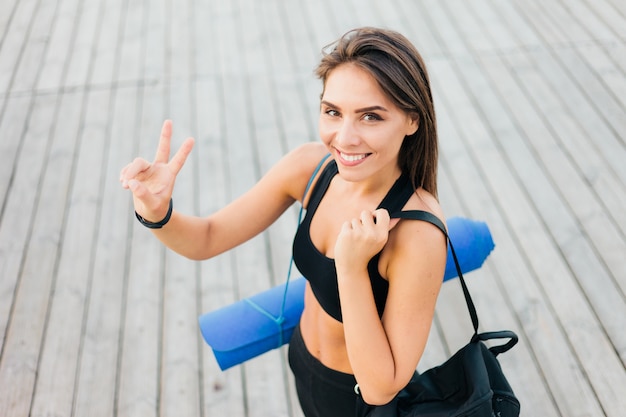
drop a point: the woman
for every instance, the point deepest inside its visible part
(373, 281)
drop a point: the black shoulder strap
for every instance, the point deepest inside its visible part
(320, 187)
(434, 220)
(504, 334)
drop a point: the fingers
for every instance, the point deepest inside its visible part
(163, 151)
(382, 218)
(181, 155)
(371, 220)
(141, 192)
(133, 169)
(148, 205)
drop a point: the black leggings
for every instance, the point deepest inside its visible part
(323, 392)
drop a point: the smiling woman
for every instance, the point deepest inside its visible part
(372, 282)
(361, 126)
(400, 73)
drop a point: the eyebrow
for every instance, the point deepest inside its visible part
(361, 110)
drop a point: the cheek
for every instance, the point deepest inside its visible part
(326, 131)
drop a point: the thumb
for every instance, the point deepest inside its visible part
(393, 223)
(142, 198)
(383, 215)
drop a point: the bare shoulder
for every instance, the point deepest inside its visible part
(417, 244)
(300, 164)
(425, 201)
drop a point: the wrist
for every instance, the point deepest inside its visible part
(351, 272)
(160, 224)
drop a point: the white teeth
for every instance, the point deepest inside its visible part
(352, 158)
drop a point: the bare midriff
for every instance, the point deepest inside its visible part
(323, 335)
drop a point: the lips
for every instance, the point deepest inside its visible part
(353, 157)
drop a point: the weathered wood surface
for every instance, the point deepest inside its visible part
(98, 319)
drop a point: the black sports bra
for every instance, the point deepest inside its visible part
(320, 270)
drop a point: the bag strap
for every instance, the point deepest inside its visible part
(300, 212)
(506, 334)
(281, 317)
(434, 220)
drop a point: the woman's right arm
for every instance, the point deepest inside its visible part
(204, 237)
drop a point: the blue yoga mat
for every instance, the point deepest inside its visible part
(253, 326)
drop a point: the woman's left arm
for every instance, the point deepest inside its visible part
(384, 354)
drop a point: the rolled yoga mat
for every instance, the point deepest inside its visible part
(253, 326)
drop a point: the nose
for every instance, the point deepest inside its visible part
(347, 134)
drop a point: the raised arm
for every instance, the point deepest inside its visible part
(384, 354)
(151, 184)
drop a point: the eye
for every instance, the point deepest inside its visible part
(371, 117)
(332, 112)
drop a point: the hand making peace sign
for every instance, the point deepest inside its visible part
(152, 183)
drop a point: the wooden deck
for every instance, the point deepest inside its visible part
(97, 319)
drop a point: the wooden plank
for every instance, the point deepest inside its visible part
(608, 66)
(276, 124)
(541, 23)
(587, 17)
(557, 216)
(96, 390)
(179, 378)
(497, 33)
(60, 44)
(599, 61)
(576, 255)
(29, 66)
(28, 123)
(139, 374)
(526, 297)
(95, 387)
(154, 56)
(56, 382)
(304, 53)
(416, 24)
(585, 157)
(590, 156)
(609, 16)
(13, 43)
(582, 259)
(531, 106)
(588, 350)
(515, 26)
(561, 20)
(582, 199)
(470, 117)
(295, 110)
(618, 6)
(131, 50)
(522, 369)
(250, 260)
(61, 346)
(12, 125)
(268, 130)
(7, 10)
(222, 391)
(180, 384)
(108, 29)
(30, 310)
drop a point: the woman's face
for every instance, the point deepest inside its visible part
(361, 126)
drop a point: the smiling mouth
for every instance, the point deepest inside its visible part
(353, 157)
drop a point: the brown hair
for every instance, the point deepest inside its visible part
(401, 73)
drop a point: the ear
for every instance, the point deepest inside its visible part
(413, 123)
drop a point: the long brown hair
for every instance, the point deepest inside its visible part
(401, 73)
